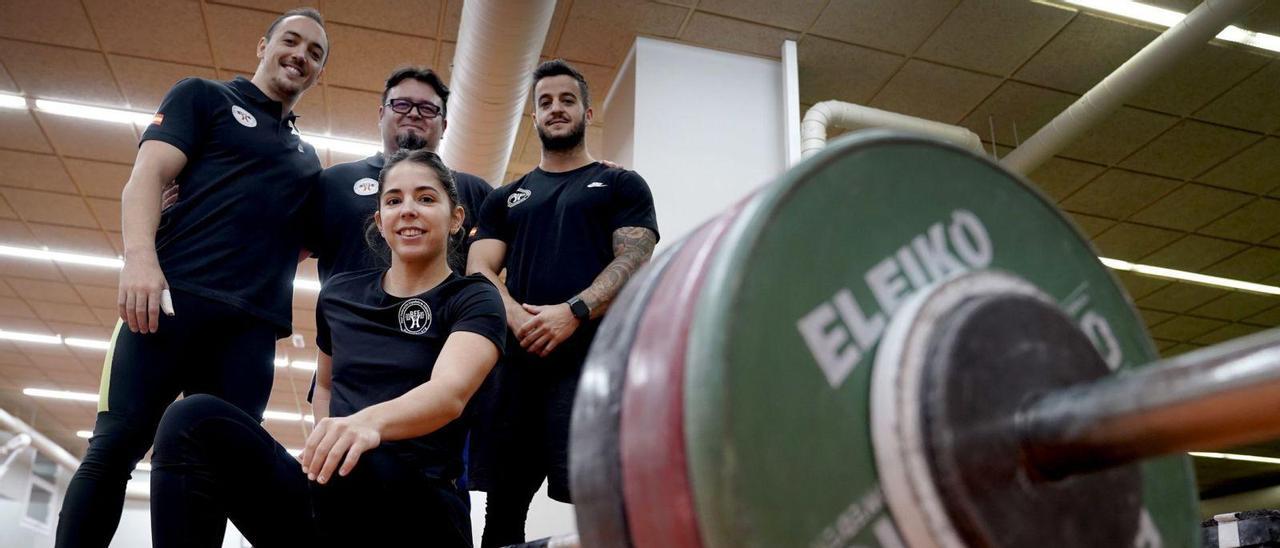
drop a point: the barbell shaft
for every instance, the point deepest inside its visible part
(1216, 397)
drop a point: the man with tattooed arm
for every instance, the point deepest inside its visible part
(570, 234)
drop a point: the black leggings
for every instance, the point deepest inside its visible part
(208, 347)
(213, 462)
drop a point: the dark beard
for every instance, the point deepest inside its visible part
(567, 142)
(410, 141)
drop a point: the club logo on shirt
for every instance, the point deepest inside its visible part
(518, 196)
(415, 317)
(243, 116)
(597, 184)
(294, 129)
(366, 186)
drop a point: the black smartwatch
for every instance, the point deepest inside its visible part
(579, 308)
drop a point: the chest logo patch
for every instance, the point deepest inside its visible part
(518, 196)
(415, 317)
(597, 184)
(366, 186)
(241, 115)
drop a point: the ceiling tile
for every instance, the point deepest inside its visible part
(27, 269)
(47, 207)
(18, 130)
(354, 114)
(934, 92)
(76, 240)
(1256, 222)
(899, 26)
(1250, 104)
(1226, 333)
(363, 58)
(52, 21)
(1198, 78)
(52, 72)
(38, 171)
(1184, 328)
(1269, 318)
(550, 42)
(1128, 242)
(453, 18)
(1255, 264)
(146, 82)
(99, 179)
(1180, 297)
(235, 34)
(418, 17)
(159, 29)
(1059, 177)
(107, 212)
(1180, 349)
(1236, 306)
(6, 82)
(1010, 31)
(106, 316)
(311, 111)
(74, 313)
(1189, 149)
(603, 32)
(15, 308)
(832, 70)
(1122, 132)
(798, 15)
(1084, 53)
(1091, 226)
(16, 233)
(1192, 253)
(730, 34)
(89, 139)
(1264, 18)
(275, 6)
(444, 61)
(98, 297)
(1191, 207)
(1118, 193)
(1254, 170)
(47, 291)
(1154, 317)
(1014, 107)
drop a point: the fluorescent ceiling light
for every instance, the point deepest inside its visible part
(60, 394)
(338, 144)
(281, 362)
(84, 434)
(287, 416)
(13, 101)
(1168, 18)
(294, 452)
(59, 256)
(144, 466)
(87, 343)
(308, 366)
(30, 337)
(101, 114)
(1233, 456)
(98, 260)
(1169, 273)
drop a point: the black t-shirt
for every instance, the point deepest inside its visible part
(558, 227)
(342, 209)
(235, 232)
(385, 346)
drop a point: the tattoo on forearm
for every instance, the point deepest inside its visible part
(632, 246)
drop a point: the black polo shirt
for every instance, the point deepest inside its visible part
(558, 227)
(342, 213)
(384, 346)
(235, 232)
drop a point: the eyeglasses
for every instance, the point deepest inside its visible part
(426, 109)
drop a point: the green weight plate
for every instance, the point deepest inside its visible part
(786, 329)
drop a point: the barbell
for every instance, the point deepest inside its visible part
(897, 343)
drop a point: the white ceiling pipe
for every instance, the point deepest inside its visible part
(55, 452)
(499, 42)
(813, 130)
(1198, 27)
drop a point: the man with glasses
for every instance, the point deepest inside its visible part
(412, 116)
